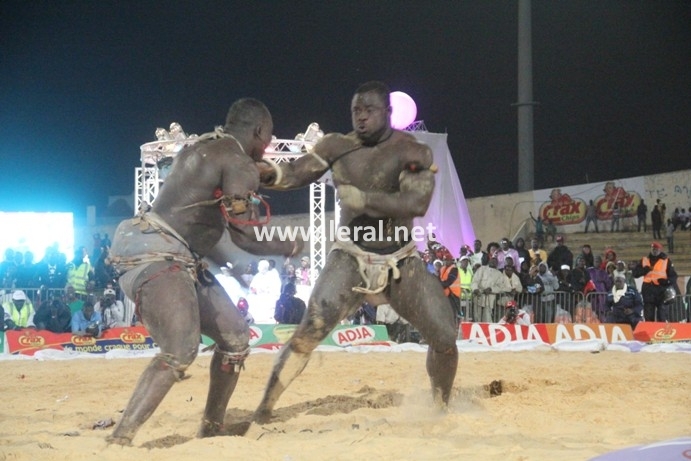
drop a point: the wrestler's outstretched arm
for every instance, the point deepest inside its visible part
(416, 185)
(309, 167)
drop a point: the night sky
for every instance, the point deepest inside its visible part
(84, 83)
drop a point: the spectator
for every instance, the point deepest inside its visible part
(54, 316)
(619, 270)
(230, 284)
(51, 270)
(479, 256)
(537, 255)
(302, 273)
(248, 275)
(550, 230)
(559, 256)
(397, 327)
(465, 250)
(566, 289)
(624, 303)
(513, 315)
(579, 275)
(19, 312)
(616, 214)
(610, 257)
(73, 302)
(366, 314)
(533, 289)
(244, 308)
(587, 255)
(504, 252)
(656, 219)
(112, 311)
(78, 272)
(670, 235)
(522, 251)
(658, 274)
(603, 284)
(641, 215)
(448, 275)
(87, 322)
(465, 275)
(26, 276)
(548, 299)
(488, 283)
(539, 229)
(436, 267)
(104, 273)
(265, 290)
(514, 284)
(289, 308)
(7, 269)
(288, 275)
(591, 216)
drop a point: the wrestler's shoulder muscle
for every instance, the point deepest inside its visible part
(410, 149)
(333, 145)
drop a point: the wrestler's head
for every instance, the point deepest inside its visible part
(250, 122)
(371, 112)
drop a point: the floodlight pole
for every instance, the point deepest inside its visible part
(526, 162)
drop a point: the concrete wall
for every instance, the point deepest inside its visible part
(500, 216)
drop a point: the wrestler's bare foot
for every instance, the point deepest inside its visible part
(262, 416)
(124, 441)
(209, 429)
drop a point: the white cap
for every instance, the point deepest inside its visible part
(108, 291)
(464, 258)
(565, 267)
(19, 295)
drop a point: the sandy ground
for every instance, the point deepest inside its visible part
(349, 406)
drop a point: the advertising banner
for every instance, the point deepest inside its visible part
(493, 334)
(29, 341)
(566, 206)
(662, 332)
(274, 336)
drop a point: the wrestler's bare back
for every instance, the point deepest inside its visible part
(199, 171)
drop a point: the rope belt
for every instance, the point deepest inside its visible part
(375, 268)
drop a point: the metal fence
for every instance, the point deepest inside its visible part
(556, 307)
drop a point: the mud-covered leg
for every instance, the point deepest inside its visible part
(418, 297)
(331, 301)
(223, 323)
(169, 311)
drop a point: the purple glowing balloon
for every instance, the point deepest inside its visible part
(403, 110)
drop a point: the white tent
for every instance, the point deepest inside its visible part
(448, 211)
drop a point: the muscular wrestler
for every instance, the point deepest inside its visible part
(384, 178)
(207, 197)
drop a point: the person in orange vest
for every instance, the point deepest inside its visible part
(658, 275)
(448, 275)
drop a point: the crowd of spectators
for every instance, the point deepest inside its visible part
(505, 281)
(484, 283)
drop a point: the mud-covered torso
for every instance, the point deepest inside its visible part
(373, 168)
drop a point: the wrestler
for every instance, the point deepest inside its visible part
(208, 198)
(384, 178)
